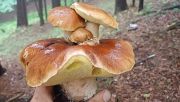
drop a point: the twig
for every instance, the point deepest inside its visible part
(154, 12)
(174, 25)
(14, 97)
(172, 7)
(161, 10)
(145, 59)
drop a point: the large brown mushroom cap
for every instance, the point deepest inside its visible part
(54, 61)
(94, 14)
(65, 18)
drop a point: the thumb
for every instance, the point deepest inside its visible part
(103, 96)
(42, 94)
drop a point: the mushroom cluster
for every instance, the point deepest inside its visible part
(80, 23)
(75, 67)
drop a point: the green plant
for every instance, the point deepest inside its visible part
(68, 2)
(6, 28)
(7, 5)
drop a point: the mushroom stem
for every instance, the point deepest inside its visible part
(93, 28)
(81, 89)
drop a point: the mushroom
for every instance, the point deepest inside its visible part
(54, 61)
(66, 19)
(80, 35)
(94, 16)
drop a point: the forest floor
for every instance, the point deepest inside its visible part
(155, 76)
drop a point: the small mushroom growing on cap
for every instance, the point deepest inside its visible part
(95, 17)
(66, 19)
(75, 67)
(80, 35)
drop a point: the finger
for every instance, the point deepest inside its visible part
(42, 94)
(103, 96)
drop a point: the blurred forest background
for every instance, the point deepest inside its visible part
(152, 26)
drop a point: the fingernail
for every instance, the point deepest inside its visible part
(106, 96)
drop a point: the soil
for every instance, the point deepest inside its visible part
(156, 75)
(154, 78)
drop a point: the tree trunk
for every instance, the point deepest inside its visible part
(65, 2)
(2, 70)
(120, 5)
(56, 3)
(133, 3)
(45, 8)
(40, 3)
(21, 13)
(141, 3)
(80, 0)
